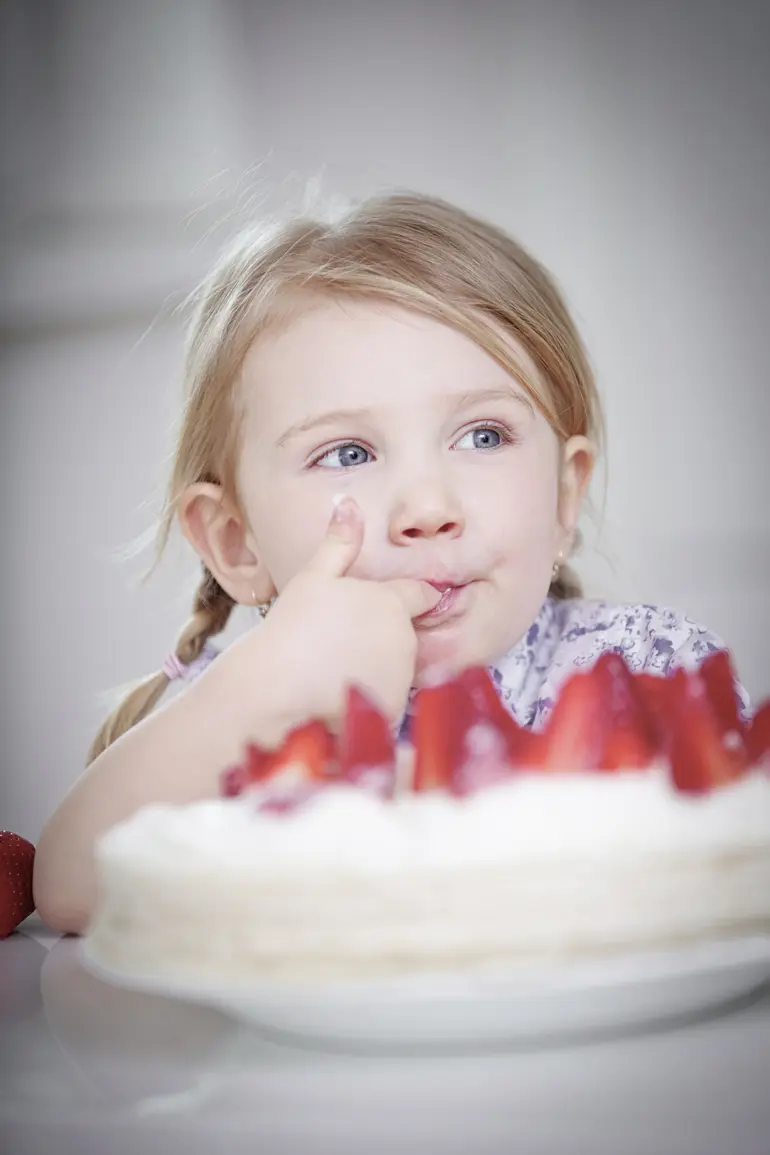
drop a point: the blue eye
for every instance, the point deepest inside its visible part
(482, 437)
(347, 456)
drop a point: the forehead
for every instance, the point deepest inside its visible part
(340, 354)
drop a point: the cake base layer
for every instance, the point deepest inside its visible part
(348, 886)
(339, 928)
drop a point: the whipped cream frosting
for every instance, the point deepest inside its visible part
(529, 820)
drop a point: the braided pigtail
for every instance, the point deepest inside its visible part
(212, 607)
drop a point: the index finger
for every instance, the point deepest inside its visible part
(416, 597)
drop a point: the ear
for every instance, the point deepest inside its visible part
(220, 536)
(577, 464)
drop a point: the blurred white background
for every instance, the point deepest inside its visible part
(628, 145)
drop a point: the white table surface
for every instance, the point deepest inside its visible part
(87, 1067)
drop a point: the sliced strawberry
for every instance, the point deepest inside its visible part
(17, 857)
(233, 781)
(490, 741)
(367, 752)
(366, 738)
(574, 735)
(719, 678)
(306, 753)
(258, 763)
(298, 769)
(439, 717)
(758, 737)
(629, 741)
(699, 755)
(657, 693)
(255, 768)
(485, 706)
(483, 761)
(626, 748)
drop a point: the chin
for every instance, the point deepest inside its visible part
(441, 652)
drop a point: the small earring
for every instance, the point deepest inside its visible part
(262, 607)
(557, 566)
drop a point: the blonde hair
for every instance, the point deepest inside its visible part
(415, 251)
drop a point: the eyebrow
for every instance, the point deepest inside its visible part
(343, 416)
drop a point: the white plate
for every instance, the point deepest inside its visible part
(557, 1004)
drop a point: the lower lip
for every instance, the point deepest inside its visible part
(451, 603)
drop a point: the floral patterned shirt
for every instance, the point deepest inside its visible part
(571, 635)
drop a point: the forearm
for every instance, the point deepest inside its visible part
(175, 755)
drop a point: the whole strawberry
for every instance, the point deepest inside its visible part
(16, 902)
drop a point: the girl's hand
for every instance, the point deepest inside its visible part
(327, 630)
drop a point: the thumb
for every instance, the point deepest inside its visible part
(343, 540)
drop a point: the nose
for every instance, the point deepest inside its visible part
(427, 510)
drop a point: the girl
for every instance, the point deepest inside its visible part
(389, 430)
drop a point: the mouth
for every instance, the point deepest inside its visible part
(450, 603)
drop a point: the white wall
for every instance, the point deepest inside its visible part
(629, 146)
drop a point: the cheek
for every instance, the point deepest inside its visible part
(521, 512)
(288, 529)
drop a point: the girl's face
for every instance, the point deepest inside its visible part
(462, 482)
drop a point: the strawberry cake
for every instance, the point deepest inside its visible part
(638, 819)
